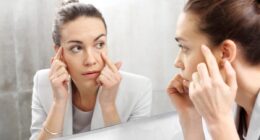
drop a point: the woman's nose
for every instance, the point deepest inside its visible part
(89, 59)
(178, 62)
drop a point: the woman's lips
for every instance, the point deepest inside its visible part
(91, 75)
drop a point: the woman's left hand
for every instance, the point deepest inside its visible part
(212, 95)
(109, 80)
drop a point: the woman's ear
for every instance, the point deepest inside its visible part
(228, 50)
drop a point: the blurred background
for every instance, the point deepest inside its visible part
(140, 34)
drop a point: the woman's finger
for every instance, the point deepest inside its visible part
(118, 65)
(103, 80)
(108, 62)
(186, 86)
(231, 76)
(176, 83)
(196, 78)
(211, 63)
(56, 65)
(61, 71)
(107, 72)
(58, 54)
(203, 73)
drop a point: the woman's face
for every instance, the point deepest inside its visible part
(83, 40)
(190, 40)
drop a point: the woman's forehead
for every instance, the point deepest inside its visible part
(187, 22)
(83, 27)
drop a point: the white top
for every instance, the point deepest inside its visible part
(133, 101)
(253, 131)
(81, 120)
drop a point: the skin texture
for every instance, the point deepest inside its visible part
(82, 58)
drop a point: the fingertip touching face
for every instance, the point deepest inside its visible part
(83, 40)
(189, 40)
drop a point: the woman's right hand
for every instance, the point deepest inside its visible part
(189, 117)
(178, 93)
(59, 78)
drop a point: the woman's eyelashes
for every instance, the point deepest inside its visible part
(183, 48)
(100, 45)
(75, 48)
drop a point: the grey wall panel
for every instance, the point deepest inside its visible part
(9, 117)
(7, 49)
(33, 24)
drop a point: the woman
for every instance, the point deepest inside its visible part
(219, 59)
(83, 90)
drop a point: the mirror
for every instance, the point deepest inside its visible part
(140, 34)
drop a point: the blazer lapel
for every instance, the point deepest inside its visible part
(254, 127)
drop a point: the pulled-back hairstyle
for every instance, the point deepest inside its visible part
(70, 11)
(238, 20)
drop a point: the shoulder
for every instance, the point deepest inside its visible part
(134, 83)
(41, 87)
(42, 76)
(134, 78)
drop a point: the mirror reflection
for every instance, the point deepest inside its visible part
(128, 39)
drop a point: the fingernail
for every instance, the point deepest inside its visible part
(204, 47)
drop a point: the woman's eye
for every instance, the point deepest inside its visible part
(76, 48)
(183, 48)
(100, 45)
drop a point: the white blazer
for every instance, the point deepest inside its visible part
(253, 131)
(133, 101)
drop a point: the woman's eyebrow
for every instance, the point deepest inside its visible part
(99, 37)
(178, 39)
(80, 42)
(75, 41)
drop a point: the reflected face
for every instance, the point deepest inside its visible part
(190, 40)
(83, 40)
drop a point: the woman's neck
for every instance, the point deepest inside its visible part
(248, 87)
(84, 96)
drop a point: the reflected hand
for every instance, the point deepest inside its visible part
(59, 78)
(109, 80)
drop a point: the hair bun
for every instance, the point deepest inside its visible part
(66, 2)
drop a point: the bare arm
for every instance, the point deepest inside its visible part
(54, 122)
(59, 78)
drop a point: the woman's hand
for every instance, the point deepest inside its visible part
(109, 80)
(59, 78)
(190, 119)
(214, 96)
(178, 93)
